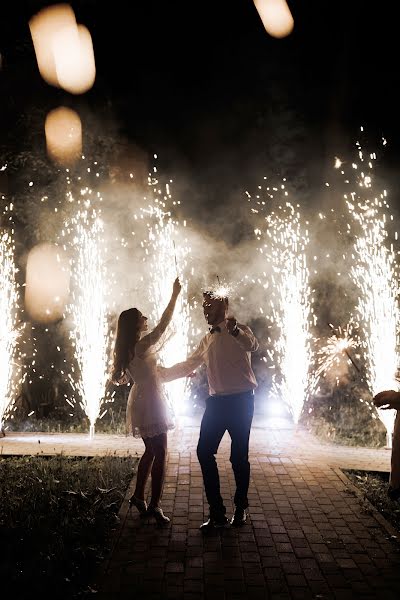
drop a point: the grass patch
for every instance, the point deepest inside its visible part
(342, 419)
(374, 485)
(57, 517)
(114, 422)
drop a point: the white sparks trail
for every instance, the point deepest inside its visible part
(90, 330)
(337, 348)
(167, 252)
(374, 272)
(10, 373)
(291, 304)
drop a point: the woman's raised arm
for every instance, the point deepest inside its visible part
(152, 338)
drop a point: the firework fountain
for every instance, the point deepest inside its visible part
(291, 304)
(167, 252)
(374, 272)
(10, 375)
(87, 311)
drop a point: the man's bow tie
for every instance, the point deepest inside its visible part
(214, 329)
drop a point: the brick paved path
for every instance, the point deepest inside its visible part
(308, 536)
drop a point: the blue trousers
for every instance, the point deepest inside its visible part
(233, 413)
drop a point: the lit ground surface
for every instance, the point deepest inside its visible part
(269, 436)
(308, 536)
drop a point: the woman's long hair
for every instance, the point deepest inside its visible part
(127, 335)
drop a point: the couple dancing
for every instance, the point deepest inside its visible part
(226, 352)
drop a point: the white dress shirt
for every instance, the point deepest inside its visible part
(227, 358)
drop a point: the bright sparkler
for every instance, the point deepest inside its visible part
(10, 373)
(291, 304)
(166, 249)
(222, 290)
(90, 329)
(375, 274)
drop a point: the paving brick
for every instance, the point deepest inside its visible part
(193, 586)
(305, 538)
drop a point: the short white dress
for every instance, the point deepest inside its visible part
(148, 412)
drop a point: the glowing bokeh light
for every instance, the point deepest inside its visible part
(276, 17)
(63, 136)
(74, 59)
(44, 27)
(47, 283)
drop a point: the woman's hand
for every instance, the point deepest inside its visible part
(387, 400)
(176, 288)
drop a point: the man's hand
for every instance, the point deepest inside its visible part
(387, 400)
(231, 325)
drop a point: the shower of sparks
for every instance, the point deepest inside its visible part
(88, 313)
(10, 374)
(340, 344)
(167, 251)
(374, 272)
(291, 304)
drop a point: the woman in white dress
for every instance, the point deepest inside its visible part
(148, 414)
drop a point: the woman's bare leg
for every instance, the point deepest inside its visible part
(159, 447)
(144, 468)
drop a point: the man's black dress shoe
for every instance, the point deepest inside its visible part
(239, 517)
(214, 523)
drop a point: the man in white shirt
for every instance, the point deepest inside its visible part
(226, 351)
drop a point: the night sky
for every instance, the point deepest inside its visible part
(220, 101)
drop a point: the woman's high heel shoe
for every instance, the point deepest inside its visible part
(157, 513)
(139, 504)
